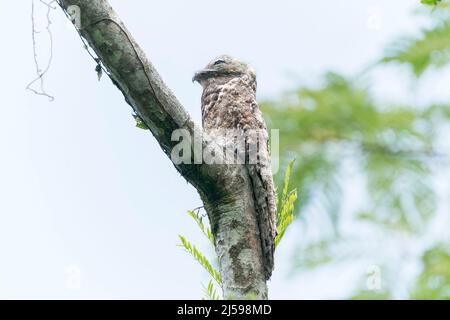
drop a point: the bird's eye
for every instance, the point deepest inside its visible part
(219, 62)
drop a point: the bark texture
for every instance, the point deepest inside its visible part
(225, 190)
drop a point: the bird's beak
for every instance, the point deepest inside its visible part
(203, 75)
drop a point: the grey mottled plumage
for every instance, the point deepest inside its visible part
(229, 102)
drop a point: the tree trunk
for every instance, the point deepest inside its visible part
(225, 189)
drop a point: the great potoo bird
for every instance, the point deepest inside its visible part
(229, 102)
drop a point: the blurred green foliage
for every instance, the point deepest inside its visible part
(430, 49)
(338, 131)
(340, 120)
(434, 281)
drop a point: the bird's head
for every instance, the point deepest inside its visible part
(222, 69)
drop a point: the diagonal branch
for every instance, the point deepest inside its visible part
(225, 189)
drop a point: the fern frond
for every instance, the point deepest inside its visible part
(211, 291)
(205, 230)
(287, 176)
(194, 252)
(286, 216)
(285, 205)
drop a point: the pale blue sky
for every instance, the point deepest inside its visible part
(81, 186)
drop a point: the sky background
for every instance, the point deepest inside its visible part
(90, 207)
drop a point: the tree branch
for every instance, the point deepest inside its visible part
(225, 189)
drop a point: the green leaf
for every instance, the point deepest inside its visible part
(140, 123)
(206, 231)
(430, 2)
(211, 291)
(197, 255)
(285, 206)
